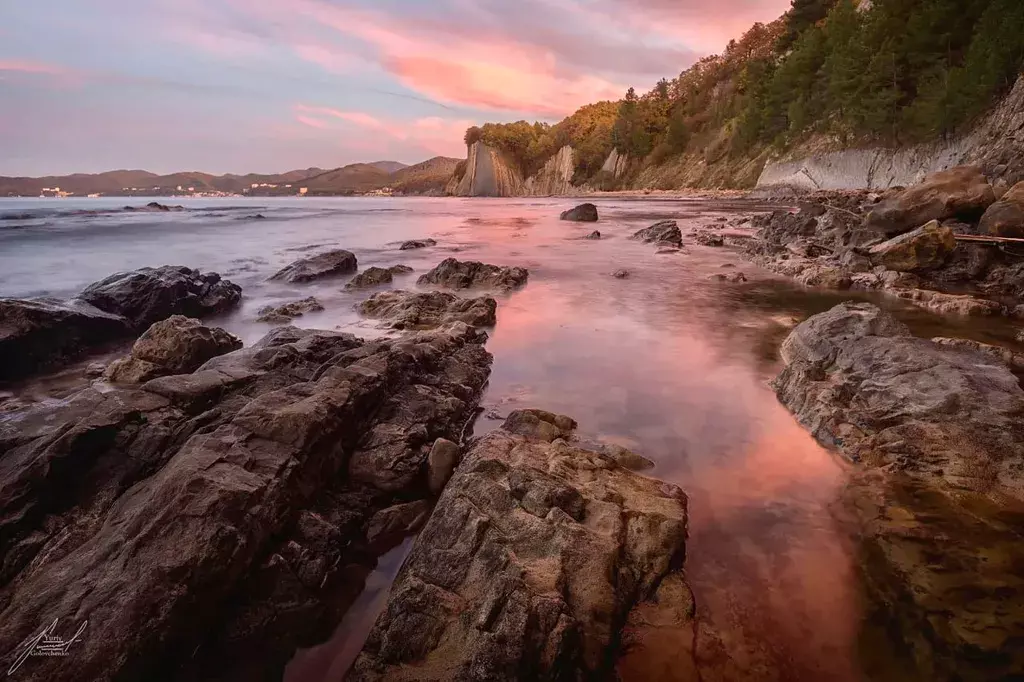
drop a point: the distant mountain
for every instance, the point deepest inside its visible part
(388, 166)
(356, 177)
(428, 177)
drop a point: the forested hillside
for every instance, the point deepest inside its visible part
(889, 72)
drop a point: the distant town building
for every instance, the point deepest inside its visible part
(303, 190)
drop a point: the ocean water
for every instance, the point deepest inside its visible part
(667, 361)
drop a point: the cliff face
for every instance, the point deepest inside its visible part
(996, 144)
(556, 175)
(487, 175)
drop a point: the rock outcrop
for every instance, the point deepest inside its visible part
(487, 174)
(204, 523)
(535, 556)
(43, 333)
(925, 248)
(616, 164)
(417, 244)
(555, 177)
(963, 192)
(665, 231)
(328, 264)
(1005, 218)
(428, 310)
(286, 312)
(584, 213)
(177, 345)
(456, 274)
(148, 295)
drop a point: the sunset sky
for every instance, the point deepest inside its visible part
(272, 85)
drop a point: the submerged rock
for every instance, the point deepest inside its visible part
(329, 264)
(584, 213)
(207, 518)
(43, 333)
(417, 244)
(621, 274)
(148, 295)
(925, 248)
(177, 345)
(732, 277)
(961, 192)
(429, 309)
(283, 314)
(666, 231)
(593, 235)
(535, 556)
(456, 274)
(949, 304)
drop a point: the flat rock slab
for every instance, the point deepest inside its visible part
(428, 310)
(328, 264)
(456, 274)
(534, 557)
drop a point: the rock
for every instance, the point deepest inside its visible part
(417, 244)
(732, 278)
(538, 424)
(584, 213)
(177, 345)
(1015, 361)
(1005, 218)
(829, 278)
(148, 295)
(708, 239)
(370, 277)
(664, 231)
(429, 309)
(155, 206)
(949, 304)
(961, 192)
(536, 554)
(925, 248)
(456, 274)
(45, 333)
(620, 274)
(283, 314)
(627, 458)
(207, 518)
(593, 235)
(389, 526)
(441, 462)
(328, 264)
(399, 269)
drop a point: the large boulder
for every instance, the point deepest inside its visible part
(925, 248)
(206, 518)
(584, 213)
(177, 345)
(42, 333)
(665, 231)
(148, 295)
(456, 274)
(1005, 218)
(961, 192)
(536, 555)
(328, 264)
(429, 309)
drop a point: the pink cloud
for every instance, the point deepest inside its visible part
(25, 66)
(328, 58)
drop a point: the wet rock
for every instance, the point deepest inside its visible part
(177, 345)
(949, 304)
(206, 518)
(828, 278)
(44, 333)
(400, 269)
(532, 561)
(708, 239)
(925, 248)
(961, 192)
(539, 424)
(627, 458)
(1005, 218)
(732, 278)
(370, 277)
(441, 462)
(285, 313)
(621, 274)
(665, 231)
(417, 244)
(389, 526)
(584, 213)
(456, 274)
(859, 381)
(593, 235)
(329, 264)
(154, 207)
(148, 295)
(429, 309)
(1014, 361)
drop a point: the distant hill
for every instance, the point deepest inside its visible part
(356, 177)
(388, 166)
(428, 177)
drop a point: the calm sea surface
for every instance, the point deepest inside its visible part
(667, 361)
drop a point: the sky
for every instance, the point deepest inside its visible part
(273, 85)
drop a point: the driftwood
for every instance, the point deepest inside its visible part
(988, 240)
